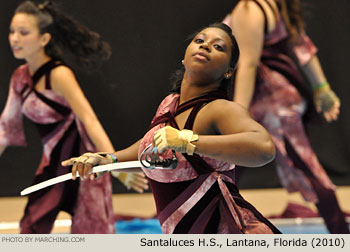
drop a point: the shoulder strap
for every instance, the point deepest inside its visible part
(45, 70)
(198, 101)
(263, 11)
(197, 104)
(273, 9)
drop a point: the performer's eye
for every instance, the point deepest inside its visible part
(24, 32)
(199, 40)
(219, 47)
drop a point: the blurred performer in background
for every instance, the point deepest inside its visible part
(275, 54)
(46, 91)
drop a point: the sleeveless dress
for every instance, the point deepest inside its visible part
(199, 195)
(62, 136)
(280, 103)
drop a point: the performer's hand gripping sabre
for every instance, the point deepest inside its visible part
(94, 165)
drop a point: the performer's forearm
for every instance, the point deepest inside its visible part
(314, 72)
(128, 154)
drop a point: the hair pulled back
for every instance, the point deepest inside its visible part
(71, 41)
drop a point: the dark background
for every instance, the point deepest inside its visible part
(148, 43)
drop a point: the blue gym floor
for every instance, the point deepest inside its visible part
(303, 229)
(292, 226)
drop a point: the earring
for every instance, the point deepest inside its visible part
(182, 62)
(227, 76)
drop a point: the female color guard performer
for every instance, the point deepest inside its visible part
(46, 91)
(275, 52)
(208, 134)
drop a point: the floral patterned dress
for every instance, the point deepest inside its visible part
(62, 136)
(281, 103)
(199, 195)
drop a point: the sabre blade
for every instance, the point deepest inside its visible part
(68, 176)
(47, 183)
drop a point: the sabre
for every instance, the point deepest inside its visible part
(149, 160)
(122, 166)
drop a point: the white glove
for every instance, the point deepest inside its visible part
(178, 140)
(136, 181)
(85, 162)
(327, 102)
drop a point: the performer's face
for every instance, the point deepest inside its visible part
(24, 37)
(209, 54)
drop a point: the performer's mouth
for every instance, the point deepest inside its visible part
(16, 48)
(201, 56)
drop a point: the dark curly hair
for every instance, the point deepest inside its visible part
(71, 41)
(226, 84)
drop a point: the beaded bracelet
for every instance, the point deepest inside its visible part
(114, 158)
(324, 84)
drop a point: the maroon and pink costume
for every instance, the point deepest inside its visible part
(63, 136)
(199, 195)
(280, 103)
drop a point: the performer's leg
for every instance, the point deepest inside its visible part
(327, 205)
(94, 213)
(41, 226)
(40, 212)
(329, 209)
(293, 180)
(43, 206)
